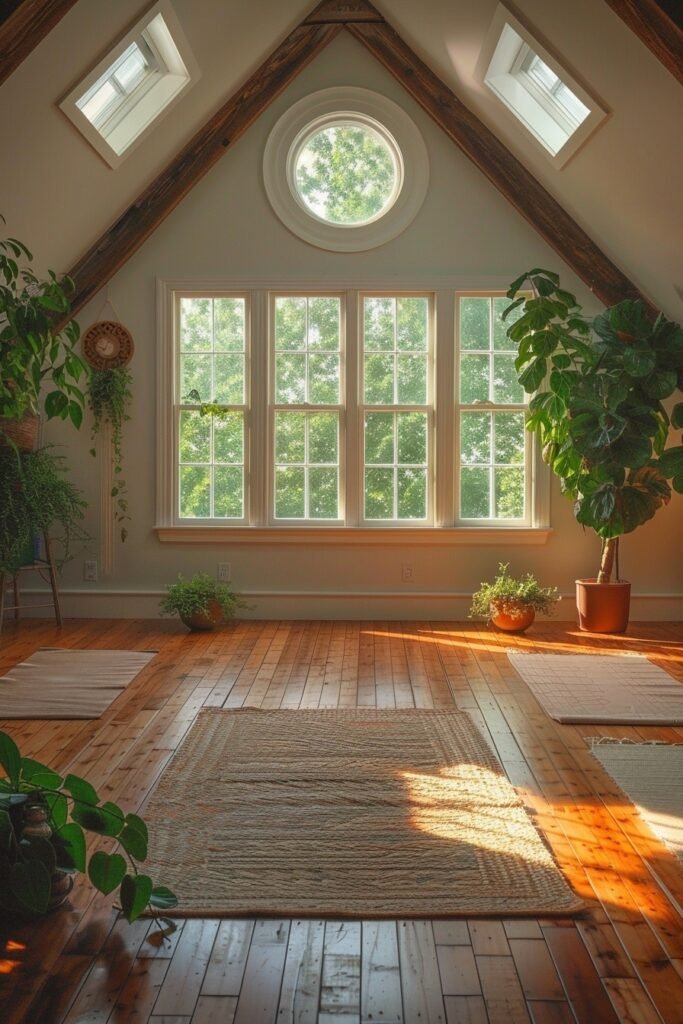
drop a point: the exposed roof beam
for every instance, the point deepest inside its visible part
(26, 24)
(365, 23)
(499, 165)
(138, 222)
(656, 29)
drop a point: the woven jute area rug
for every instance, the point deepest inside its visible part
(621, 689)
(346, 813)
(651, 776)
(68, 683)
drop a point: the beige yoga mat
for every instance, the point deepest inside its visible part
(651, 776)
(346, 813)
(602, 688)
(68, 683)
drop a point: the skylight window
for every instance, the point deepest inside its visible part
(557, 112)
(139, 80)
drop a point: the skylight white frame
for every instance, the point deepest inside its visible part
(500, 69)
(156, 94)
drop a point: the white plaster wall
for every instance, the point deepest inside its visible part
(465, 235)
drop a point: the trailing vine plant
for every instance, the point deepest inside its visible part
(109, 395)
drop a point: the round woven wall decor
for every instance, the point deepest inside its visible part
(107, 344)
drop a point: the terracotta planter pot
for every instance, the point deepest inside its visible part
(204, 620)
(603, 607)
(23, 432)
(511, 616)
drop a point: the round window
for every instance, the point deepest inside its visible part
(345, 169)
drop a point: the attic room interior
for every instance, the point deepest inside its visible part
(341, 588)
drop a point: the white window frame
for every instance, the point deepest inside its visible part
(442, 529)
(154, 96)
(501, 70)
(274, 407)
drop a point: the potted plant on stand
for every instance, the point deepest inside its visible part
(597, 410)
(511, 603)
(32, 353)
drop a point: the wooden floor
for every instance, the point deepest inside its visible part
(621, 961)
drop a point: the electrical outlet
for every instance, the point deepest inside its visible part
(223, 573)
(407, 573)
(90, 571)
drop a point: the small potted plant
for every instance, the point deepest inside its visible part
(511, 604)
(32, 353)
(201, 602)
(44, 822)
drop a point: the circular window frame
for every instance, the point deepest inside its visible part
(368, 109)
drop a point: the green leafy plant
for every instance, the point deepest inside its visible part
(194, 596)
(32, 352)
(509, 592)
(36, 496)
(207, 408)
(109, 396)
(597, 409)
(28, 863)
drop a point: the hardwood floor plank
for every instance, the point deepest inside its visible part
(262, 982)
(420, 981)
(586, 994)
(301, 980)
(502, 990)
(227, 963)
(380, 973)
(465, 1010)
(536, 969)
(182, 983)
(340, 987)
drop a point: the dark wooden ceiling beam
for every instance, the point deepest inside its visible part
(499, 165)
(138, 222)
(656, 29)
(25, 25)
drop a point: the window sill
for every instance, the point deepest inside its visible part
(428, 536)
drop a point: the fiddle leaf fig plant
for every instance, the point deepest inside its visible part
(33, 354)
(73, 809)
(598, 390)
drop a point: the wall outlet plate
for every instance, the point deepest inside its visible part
(223, 572)
(90, 571)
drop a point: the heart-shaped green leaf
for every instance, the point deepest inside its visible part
(162, 898)
(134, 843)
(106, 870)
(135, 893)
(10, 759)
(69, 843)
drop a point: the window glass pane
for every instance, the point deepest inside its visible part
(228, 438)
(345, 173)
(501, 342)
(290, 496)
(229, 325)
(411, 324)
(195, 325)
(475, 437)
(509, 493)
(195, 375)
(195, 492)
(131, 68)
(379, 437)
(474, 379)
(474, 493)
(475, 323)
(509, 427)
(290, 437)
(323, 493)
(379, 493)
(506, 388)
(195, 437)
(412, 439)
(100, 103)
(229, 379)
(379, 380)
(323, 323)
(412, 380)
(379, 325)
(323, 379)
(290, 323)
(290, 379)
(412, 494)
(228, 484)
(323, 441)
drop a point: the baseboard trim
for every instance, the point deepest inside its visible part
(82, 602)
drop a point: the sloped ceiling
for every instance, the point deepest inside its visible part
(621, 187)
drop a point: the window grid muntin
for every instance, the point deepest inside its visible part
(240, 410)
(395, 408)
(491, 407)
(306, 407)
(306, 465)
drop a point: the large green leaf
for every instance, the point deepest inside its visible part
(69, 843)
(134, 842)
(162, 898)
(660, 384)
(677, 416)
(135, 893)
(81, 790)
(106, 820)
(10, 759)
(639, 362)
(106, 871)
(31, 884)
(38, 848)
(632, 452)
(533, 375)
(58, 809)
(637, 506)
(670, 462)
